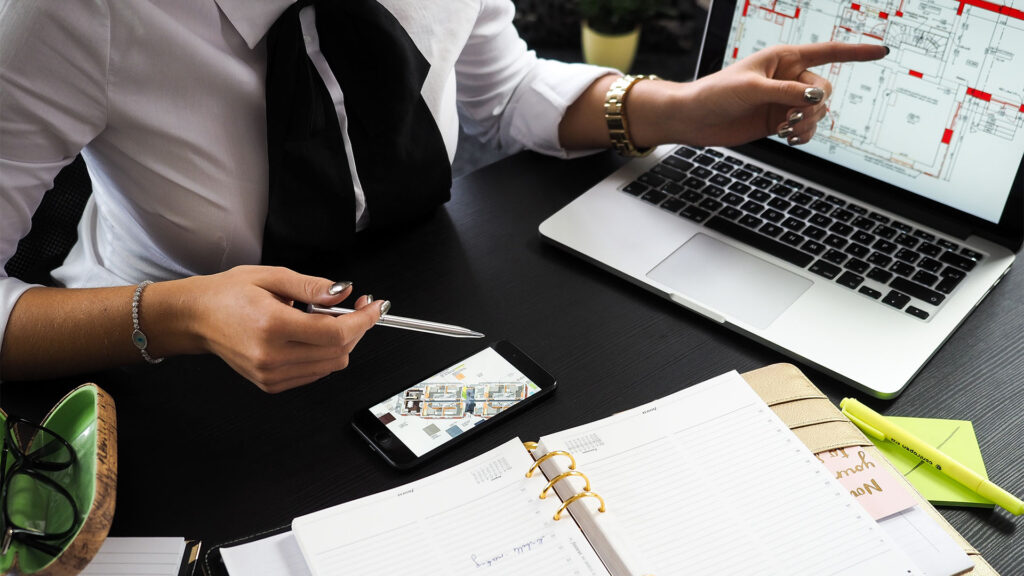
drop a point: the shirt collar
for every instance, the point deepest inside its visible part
(252, 18)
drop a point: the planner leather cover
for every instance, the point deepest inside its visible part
(821, 426)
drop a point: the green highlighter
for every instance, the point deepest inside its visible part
(887, 430)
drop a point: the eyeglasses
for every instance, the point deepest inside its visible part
(35, 509)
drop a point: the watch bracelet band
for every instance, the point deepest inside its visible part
(616, 117)
(138, 336)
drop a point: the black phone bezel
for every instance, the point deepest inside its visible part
(395, 452)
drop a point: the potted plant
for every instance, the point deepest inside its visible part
(611, 30)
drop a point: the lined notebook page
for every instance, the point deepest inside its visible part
(137, 557)
(709, 480)
(480, 517)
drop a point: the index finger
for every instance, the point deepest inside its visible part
(825, 52)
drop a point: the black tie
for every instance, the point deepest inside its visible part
(399, 154)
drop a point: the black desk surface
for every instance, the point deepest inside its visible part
(203, 453)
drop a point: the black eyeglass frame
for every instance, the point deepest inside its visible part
(28, 465)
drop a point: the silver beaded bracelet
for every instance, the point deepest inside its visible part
(138, 337)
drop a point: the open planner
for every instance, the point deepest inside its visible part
(710, 479)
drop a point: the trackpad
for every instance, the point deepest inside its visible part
(729, 281)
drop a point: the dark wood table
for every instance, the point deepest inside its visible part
(203, 453)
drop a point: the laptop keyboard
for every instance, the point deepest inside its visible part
(877, 256)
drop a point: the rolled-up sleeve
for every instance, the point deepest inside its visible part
(507, 94)
(53, 74)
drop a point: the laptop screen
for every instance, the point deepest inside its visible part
(942, 116)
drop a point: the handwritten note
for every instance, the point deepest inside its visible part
(870, 482)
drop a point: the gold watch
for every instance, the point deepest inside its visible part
(615, 115)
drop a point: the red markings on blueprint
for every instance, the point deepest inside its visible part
(947, 136)
(916, 74)
(991, 7)
(979, 94)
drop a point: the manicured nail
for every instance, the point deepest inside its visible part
(369, 298)
(338, 288)
(385, 307)
(793, 140)
(795, 117)
(887, 50)
(814, 95)
(785, 131)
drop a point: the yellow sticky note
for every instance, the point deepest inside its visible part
(954, 437)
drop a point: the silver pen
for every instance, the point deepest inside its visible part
(402, 322)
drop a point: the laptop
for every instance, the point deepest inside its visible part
(858, 253)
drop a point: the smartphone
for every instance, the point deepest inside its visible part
(475, 393)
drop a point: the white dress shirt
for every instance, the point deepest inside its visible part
(165, 101)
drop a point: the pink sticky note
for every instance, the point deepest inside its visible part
(868, 481)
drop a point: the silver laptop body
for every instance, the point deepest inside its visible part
(844, 323)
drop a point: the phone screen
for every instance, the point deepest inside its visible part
(450, 403)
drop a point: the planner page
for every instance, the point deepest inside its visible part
(710, 481)
(482, 517)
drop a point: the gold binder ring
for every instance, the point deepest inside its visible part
(577, 497)
(563, 476)
(549, 455)
(531, 446)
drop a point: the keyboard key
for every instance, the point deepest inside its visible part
(896, 300)
(779, 203)
(753, 168)
(730, 213)
(773, 215)
(922, 293)
(793, 184)
(901, 268)
(879, 259)
(841, 229)
(858, 250)
(694, 213)
(813, 247)
(835, 200)
(672, 188)
(879, 275)
(781, 190)
(914, 311)
(793, 224)
(762, 183)
(751, 221)
(954, 273)
(862, 237)
(901, 226)
(957, 260)
(929, 249)
(714, 153)
(720, 180)
(713, 191)
(834, 256)
(773, 247)
(651, 179)
(825, 269)
(678, 163)
(635, 188)
(801, 199)
(773, 176)
(857, 265)
(814, 233)
(770, 229)
(710, 204)
(870, 292)
(723, 167)
(924, 278)
(739, 188)
(734, 161)
(705, 159)
(842, 215)
(702, 173)
(668, 173)
(814, 192)
(947, 285)
(850, 280)
(672, 205)
(863, 223)
(907, 240)
(694, 183)
(820, 220)
(792, 238)
(742, 175)
(926, 236)
(732, 199)
(759, 196)
(752, 207)
(821, 206)
(929, 265)
(885, 232)
(971, 254)
(884, 246)
(908, 256)
(948, 245)
(859, 210)
(800, 212)
(879, 217)
(835, 241)
(685, 152)
(654, 196)
(691, 195)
